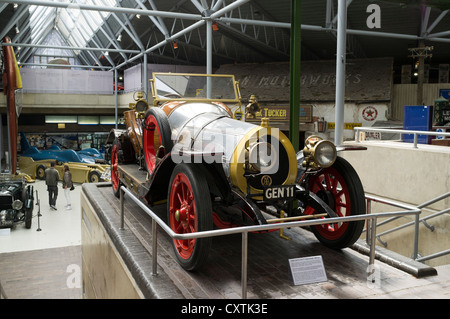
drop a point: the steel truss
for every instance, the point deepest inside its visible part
(261, 34)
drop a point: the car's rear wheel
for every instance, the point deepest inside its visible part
(189, 211)
(115, 181)
(94, 177)
(156, 134)
(40, 172)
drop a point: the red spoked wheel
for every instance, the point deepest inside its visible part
(156, 133)
(115, 168)
(190, 211)
(340, 187)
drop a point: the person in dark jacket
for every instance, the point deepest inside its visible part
(67, 185)
(51, 180)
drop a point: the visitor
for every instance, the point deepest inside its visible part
(67, 185)
(51, 180)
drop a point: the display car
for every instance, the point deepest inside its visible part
(215, 171)
(16, 201)
(86, 166)
(54, 152)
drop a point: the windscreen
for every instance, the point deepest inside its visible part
(174, 86)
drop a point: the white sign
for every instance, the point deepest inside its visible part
(65, 81)
(307, 270)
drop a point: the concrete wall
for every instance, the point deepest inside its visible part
(113, 281)
(402, 173)
(52, 103)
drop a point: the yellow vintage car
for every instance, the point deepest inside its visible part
(81, 172)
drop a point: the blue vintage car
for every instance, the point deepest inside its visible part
(87, 165)
(88, 155)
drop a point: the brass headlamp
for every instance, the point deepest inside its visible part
(141, 104)
(318, 153)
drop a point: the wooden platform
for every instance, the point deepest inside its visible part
(268, 263)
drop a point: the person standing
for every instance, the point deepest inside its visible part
(67, 185)
(51, 179)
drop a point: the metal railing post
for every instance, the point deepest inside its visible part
(244, 264)
(416, 237)
(373, 229)
(121, 208)
(368, 211)
(154, 247)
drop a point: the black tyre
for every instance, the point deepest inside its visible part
(27, 199)
(189, 210)
(156, 133)
(115, 181)
(40, 172)
(94, 177)
(340, 187)
(28, 217)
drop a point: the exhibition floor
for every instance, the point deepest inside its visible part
(58, 228)
(46, 264)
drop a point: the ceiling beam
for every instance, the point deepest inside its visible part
(66, 65)
(69, 47)
(67, 5)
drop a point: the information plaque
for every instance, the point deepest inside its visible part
(307, 270)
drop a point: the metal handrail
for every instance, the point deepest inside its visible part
(398, 131)
(244, 230)
(416, 222)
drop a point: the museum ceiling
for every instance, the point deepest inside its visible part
(112, 33)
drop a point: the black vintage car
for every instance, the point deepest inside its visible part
(16, 202)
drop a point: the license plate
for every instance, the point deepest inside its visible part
(279, 192)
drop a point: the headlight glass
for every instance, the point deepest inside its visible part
(263, 157)
(17, 204)
(325, 154)
(141, 106)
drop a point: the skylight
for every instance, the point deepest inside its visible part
(75, 25)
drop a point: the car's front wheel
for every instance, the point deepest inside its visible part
(190, 211)
(340, 188)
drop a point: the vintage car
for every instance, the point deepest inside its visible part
(216, 171)
(86, 166)
(16, 201)
(81, 172)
